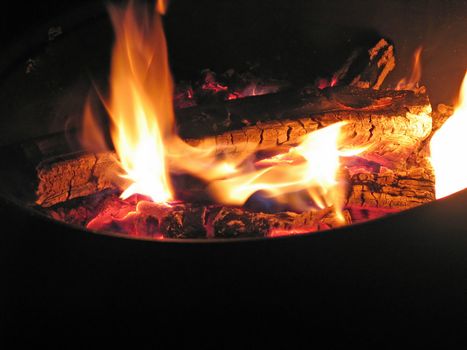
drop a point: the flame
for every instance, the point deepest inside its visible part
(311, 166)
(141, 101)
(412, 83)
(141, 108)
(162, 6)
(148, 148)
(92, 137)
(447, 142)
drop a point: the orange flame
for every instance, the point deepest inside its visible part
(148, 148)
(141, 101)
(162, 6)
(141, 108)
(412, 83)
(312, 166)
(447, 142)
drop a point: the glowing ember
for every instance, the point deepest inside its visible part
(324, 83)
(446, 144)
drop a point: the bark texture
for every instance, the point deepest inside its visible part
(392, 125)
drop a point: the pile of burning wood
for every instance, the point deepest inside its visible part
(235, 155)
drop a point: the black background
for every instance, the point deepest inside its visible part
(308, 35)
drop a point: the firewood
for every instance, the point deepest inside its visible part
(80, 175)
(387, 189)
(419, 158)
(233, 222)
(392, 124)
(382, 188)
(182, 220)
(366, 67)
(381, 62)
(215, 119)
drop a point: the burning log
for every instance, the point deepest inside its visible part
(367, 188)
(391, 190)
(232, 222)
(381, 62)
(372, 194)
(180, 220)
(63, 179)
(215, 119)
(392, 124)
(364, 68)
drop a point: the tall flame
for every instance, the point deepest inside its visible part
(445, 146)
(141, 101)
(143, 131)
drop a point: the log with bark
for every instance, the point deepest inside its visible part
(367, 188)
(62, 179)
(372, 193)
(391, 124)
(388, 189)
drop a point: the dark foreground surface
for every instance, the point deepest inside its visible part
(404, 270)
(407, 271)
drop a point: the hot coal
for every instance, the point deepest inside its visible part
(230, 85)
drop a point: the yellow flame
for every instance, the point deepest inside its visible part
(141, 108)
(412, 83)
(141, 101)
(143, 131)
(446, 146)
(317, 173)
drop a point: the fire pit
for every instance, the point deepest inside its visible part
(239, 154)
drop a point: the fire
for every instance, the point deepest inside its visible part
(312, 166)
(162, 6)
(445, 146)
(149, 150)
(412, 83)
(141, 101)
(141, 109)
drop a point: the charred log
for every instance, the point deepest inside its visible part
(191, 220)
(215, 119)
(233, 222)
(381, 62)
(391, 124)
(365, 67)
(387, 189)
